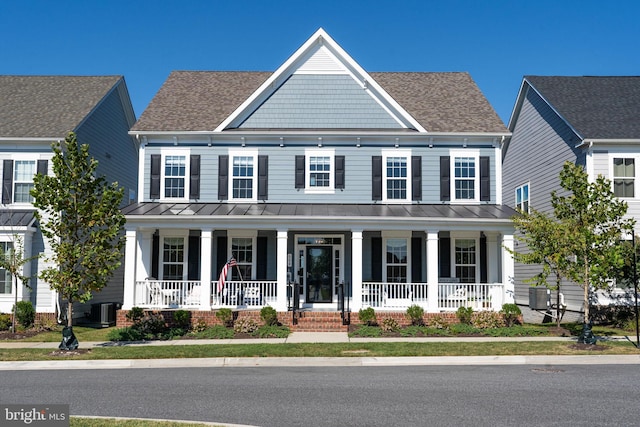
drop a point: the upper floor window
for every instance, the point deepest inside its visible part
(396, 178)
(23, 172)
(624, 174)
(464, 178)
(174, 176)
(522, 198)
(243, 178)
(320, 172)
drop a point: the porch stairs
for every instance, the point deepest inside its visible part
(316, 321)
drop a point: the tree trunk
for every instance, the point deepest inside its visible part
(586, 290)
(558, 279)
(15, 304)
(70, 313)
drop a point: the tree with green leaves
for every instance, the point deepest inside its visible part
(80, 217)
(13, 261)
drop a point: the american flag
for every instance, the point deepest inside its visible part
(223, 273)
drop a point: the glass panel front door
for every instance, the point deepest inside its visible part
(318, 278)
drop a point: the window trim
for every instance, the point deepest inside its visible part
(518, 206)
(408, 178)
(330, 153)
(465, 236)
(244, 234)
(475, 154)
(254, 178)
(624, 156)
(396, 235)
(185, 259)
(15, 181)
(187, 173)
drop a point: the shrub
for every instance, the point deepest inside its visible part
(464, 315)
(200, 326)
(366, 331)
(182, 319)
(5, 321)
(438, 322)
(389, 324)
(487, 319)
(46, 324)
(511, 314)
(215, 332)
(124, 334)
(269, 316)
(25, 313)
(367, 316)
(463, 329)
(272, 331)
(151, 326)
(225, 316)
(135, 314)
(245, 326)
(415, 313)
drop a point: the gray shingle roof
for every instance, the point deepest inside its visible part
(606, 107)
(48, 106)
(201, 100)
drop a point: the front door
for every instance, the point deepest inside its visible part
(319, 287)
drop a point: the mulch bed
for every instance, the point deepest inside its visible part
(7, 335)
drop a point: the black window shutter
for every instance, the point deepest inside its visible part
(376, 259)
(263, 176)
(221, 257)
(155, 255)
(376, 178)
(485, 179)
(416, 259)
(445, 256)
(445, 178)
(300, 172)
(156, 165)
(339, 178)
(7, 181)
(483, 259)
(193, 258)
(223, 177)
(262, 255)
(43, 167)
(416, 177)
(194, 181)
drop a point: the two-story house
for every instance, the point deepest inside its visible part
(591, 121)
(319, 174)
(36, 111)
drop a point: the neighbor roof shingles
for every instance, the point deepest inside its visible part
(201, 100)
(48, 106)
(598, 107)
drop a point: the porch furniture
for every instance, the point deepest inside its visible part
(193, 297)
(252, 296)
(394, 297)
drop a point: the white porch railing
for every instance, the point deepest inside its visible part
(253, 293)
(479, 296)
(167, 293)
(393, 296)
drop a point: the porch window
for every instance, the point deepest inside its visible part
(173, 258)
(243, 177)
(5, 276)
(465, 260)
(624, 174)
(174, 176)
(242, 250)
(23, 172)
(464, 178)
(522, 198)
(396, 260)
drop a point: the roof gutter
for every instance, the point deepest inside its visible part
(608, 141)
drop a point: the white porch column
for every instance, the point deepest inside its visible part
(493, 275)
(432, 271)
(144, 254)
(508, 269)
(206, 237)
(356, 270)
(131, 245)
(281, 270)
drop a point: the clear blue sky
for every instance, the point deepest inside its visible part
(497, 42)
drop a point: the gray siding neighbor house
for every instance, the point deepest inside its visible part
(320, 174)
(591, 121)
(36, 111)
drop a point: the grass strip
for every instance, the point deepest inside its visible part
(117, 422)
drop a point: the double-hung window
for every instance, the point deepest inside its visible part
(320, 171)
(522, 198)
(464, 178)
(465, 260)
(624, 174)
(242, 249)
(173, 258)
(397, 175)
(396, 260)
(5, 275)
(175, 172)
(243, 181)
(23, 172)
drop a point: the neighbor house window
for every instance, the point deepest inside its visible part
(5, 276)
(522, 198)
(174, 176)
(23, 172)
(243, 180)
(396, 260)
(173, 258)
(624, 174)
(464, 178)
(465, 260)
(242, 251)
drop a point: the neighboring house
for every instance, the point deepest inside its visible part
(319, 174)
(591, 121)
(36, 111)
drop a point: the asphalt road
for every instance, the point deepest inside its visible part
(520, 395)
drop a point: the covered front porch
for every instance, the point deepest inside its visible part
(174, 258)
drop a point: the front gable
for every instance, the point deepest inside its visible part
(320, 87)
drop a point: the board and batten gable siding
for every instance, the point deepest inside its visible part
(281, 167)
(540, 145)
(106, 132)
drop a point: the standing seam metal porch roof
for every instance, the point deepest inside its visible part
(311, 210)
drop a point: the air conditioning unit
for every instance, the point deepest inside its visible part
(104, 313)
(539, 298)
